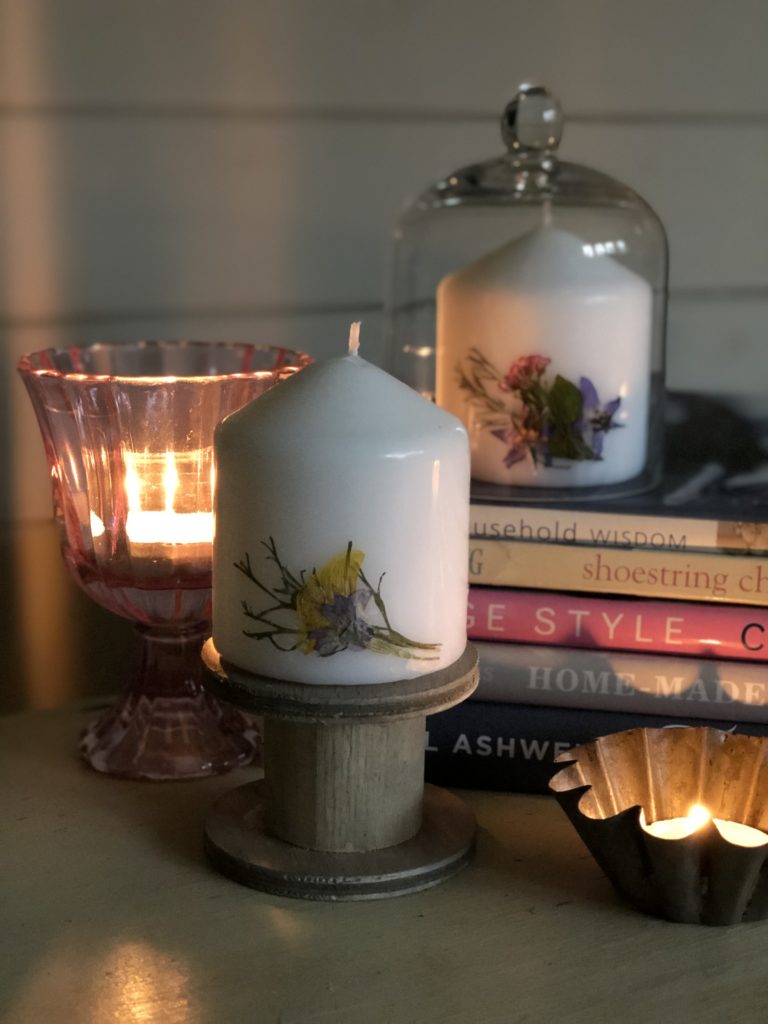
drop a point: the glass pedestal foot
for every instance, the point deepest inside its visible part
(165, 725)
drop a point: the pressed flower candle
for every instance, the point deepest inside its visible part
(544, 350)
(342, 516)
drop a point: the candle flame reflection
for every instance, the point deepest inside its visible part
(139, 979)
(170, 481)
(97, 525)
(607, 248)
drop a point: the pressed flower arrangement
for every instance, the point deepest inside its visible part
(549, 421)
(326, 611)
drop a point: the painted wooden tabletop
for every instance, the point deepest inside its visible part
(109, 913)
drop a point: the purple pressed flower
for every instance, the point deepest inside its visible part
(344, 607)
(516, 447)
(515, 455)
(347, 627)
(589, 398)
(326, 641)
(596, 419)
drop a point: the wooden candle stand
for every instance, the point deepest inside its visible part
(342, 812)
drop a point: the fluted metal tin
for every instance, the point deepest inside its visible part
(607, 787)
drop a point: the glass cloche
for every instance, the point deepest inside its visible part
(529, 298)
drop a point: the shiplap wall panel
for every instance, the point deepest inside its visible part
(604, 56)
(720, 345)
(107, 215)
(186, 168)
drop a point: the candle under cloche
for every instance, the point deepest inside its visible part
(342, 519)
(529, 297)
(545, 353)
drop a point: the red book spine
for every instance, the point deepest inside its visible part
(659, 627)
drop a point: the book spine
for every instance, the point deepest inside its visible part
(618, 624)
(512, 747)
(674, 575)
(623, 682)
(612, 529)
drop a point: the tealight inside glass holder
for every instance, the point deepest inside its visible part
(128, 434)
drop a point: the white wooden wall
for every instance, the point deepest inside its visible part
(231, 168)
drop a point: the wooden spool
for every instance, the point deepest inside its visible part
(342, 811)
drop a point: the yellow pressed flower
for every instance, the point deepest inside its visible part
(337, 577)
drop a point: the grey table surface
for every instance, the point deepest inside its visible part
(110, 913)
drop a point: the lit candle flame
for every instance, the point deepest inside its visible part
(680, 828)
(677, 828)
(161, 526)
(698, 815)
(354, 338)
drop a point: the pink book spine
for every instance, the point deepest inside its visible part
(571, 620)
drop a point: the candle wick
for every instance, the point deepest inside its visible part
(354, 338)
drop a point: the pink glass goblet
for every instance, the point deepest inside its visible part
(128, 434)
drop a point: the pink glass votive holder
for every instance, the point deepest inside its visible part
(128, 435)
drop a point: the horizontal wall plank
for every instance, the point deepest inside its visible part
(715, 346)
(112, 215)
(446, 55)
(719, 345)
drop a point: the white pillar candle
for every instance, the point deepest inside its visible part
(342, 516)
(543, 350)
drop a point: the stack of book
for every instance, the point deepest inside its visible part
(594, 617)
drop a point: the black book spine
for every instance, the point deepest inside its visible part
(512, 747)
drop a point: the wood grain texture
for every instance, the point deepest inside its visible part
(239, 844)
(343, 764)
(114, 915)
(344, 787)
